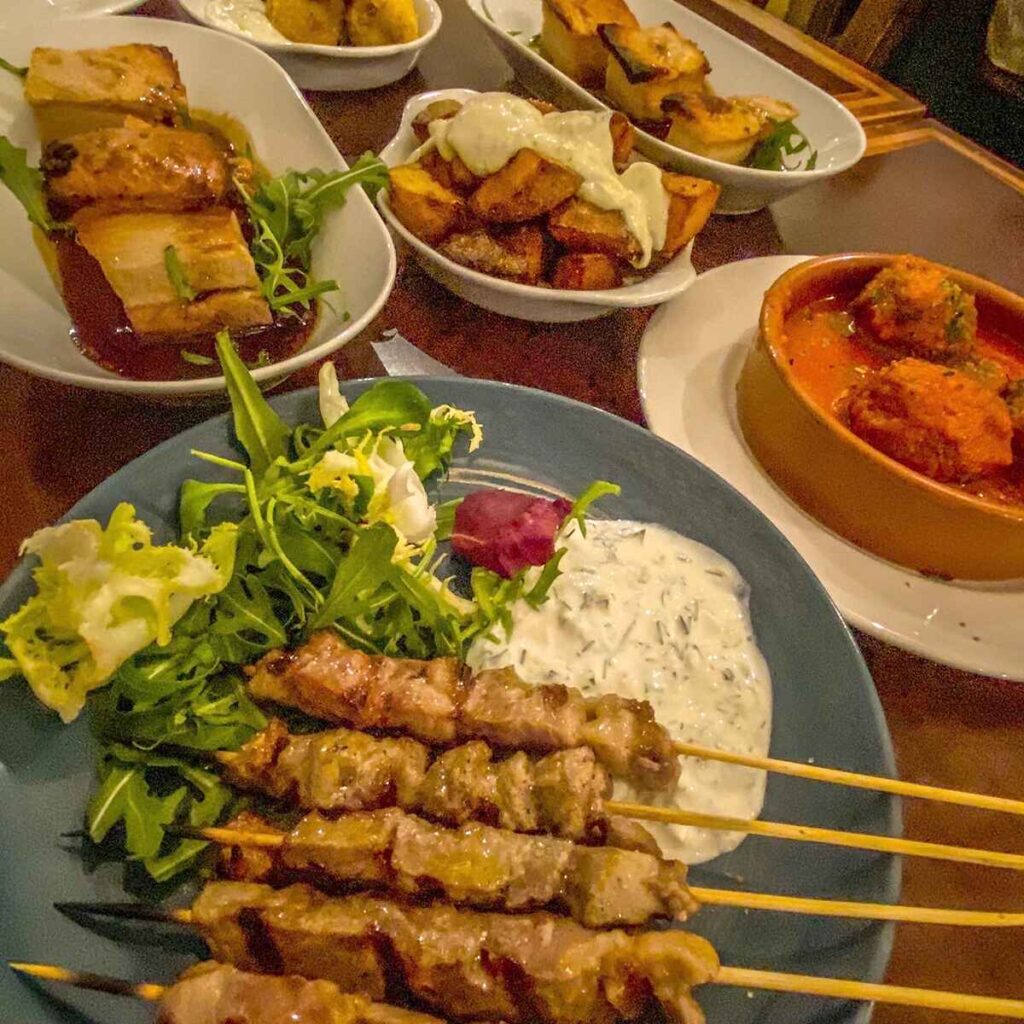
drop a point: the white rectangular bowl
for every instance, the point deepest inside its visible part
(223, 75)
(736, 69)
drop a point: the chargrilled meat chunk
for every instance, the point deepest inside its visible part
(440, 702)
(212, 993)
(466, 965)
(476, 866)
(344, 770)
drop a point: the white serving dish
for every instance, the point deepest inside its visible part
(337, 68)
(737, 70)
(354, 247)
(20, 14)
(523, 301)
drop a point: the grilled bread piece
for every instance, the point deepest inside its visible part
(139, 166)
(723, 128)
(381, 22)
(73, 91)
(308, 21)
(644, 65)
(215, 262)
(569, 39)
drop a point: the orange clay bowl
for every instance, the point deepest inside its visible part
(842, 481)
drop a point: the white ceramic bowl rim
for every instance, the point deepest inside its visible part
(745, 176)
(207, 385)
(641, 293)
(342, 52)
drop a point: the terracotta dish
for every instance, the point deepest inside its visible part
(812, 353)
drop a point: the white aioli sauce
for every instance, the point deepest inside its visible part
(491, 128)
(247, 17)
(643, 612)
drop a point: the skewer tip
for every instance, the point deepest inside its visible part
(88, 980)
(127, 911)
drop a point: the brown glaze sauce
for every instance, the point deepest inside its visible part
(100, 326)
(828, 351)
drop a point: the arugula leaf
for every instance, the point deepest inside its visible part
(26, 183)
(176, 275)
(580, 507)
(258, 428)
(6, 65)
(196, 358)
(387, 405)
(366, 567)
(785, 140)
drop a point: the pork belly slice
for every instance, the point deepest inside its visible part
(73, 91)
(138, 166)
(215, 262)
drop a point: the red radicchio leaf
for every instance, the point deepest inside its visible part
(505, 532)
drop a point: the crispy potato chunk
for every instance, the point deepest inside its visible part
(623, 137)
(428, 209)
(439, 110)
(584, 227)
(569, 39)
(453, 174)
(308, 21)
(934, 419)
(691, 202)
(381, 22)
(526, 187)
(517, 254)
(586, 271)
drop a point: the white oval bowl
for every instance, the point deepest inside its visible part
(737, 69)
(522, 301)
(22, 14)
(354, 247)
(337, 68)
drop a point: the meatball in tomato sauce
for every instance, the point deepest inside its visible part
(933, 419)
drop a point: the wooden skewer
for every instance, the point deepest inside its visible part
(829, 836)
(739, 977)
(839, 777)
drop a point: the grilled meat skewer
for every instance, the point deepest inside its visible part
(474, 866)
(212, 993)
(465, 965)
(342, 770)
(441, 702)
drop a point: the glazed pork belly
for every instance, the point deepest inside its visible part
(340, 770)
(210, 252)
(440, 702)
(467, 965)
(136, 166)
(73, 91)
(212, 993)
(478, 866)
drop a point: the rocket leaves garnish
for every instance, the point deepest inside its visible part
(26, 184)
(13, 69)
(786, 140)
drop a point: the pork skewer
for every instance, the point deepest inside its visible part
(472, 866)
(441, 703)
(212, 993)
(635, 974)
(340, 770)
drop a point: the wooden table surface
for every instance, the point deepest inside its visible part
(920, 189)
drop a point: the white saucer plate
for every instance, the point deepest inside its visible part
(689, 362)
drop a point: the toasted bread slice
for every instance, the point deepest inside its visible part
(528, 186)
(713, 126)
(644, 65)
(73, 91)
(569, 39)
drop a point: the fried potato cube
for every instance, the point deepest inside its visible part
(526, 187)
(584, 227)
(623, 137)
(453, 174)
(73, 91)
(381, 22)
(691, 202)
(439, 110)
(308, 21)
(586, 271)
(517, 254)
(645, 65)
(569, 39)
(428, 209)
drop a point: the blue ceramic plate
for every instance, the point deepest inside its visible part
(825, 710)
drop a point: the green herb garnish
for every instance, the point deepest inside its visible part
(176, 275)
(196, 358)
(13, 69)
(26, 183)
(786, 140)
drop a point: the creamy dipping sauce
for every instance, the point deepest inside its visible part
(643, 612)
(247, 17)
(491, 128)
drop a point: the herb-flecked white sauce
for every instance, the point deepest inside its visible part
(646, 613)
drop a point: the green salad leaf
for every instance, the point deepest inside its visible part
(786, 140)
(176, 275)
(13, 69)
(26, 184)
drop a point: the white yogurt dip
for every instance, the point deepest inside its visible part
(247, 17)
(643, 612)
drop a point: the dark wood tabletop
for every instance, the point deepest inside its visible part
(921, 188)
